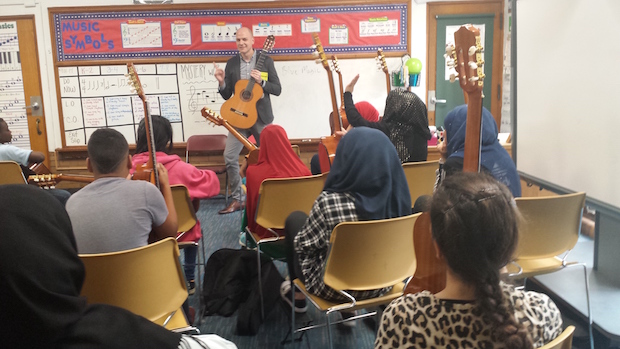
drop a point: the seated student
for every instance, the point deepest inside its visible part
(366, 182)
(24, 158)
(201, 184)
(40, 300)
(493, 158)
(475, 228)
(276, 159)
(405, 122)
(363, 110)
(114, 213)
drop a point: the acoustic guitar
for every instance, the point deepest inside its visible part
(466, 58)
(343, 115)
(328, 145)
(383, 66)
(44, 178)
(148, 170)
(240, 109)
(216, 119)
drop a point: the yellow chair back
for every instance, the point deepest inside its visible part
(147, 281)
(279, 197)
(420, 177)
(368, 255)
(550, 225)
(186, 216)
(11, 173)
(563, 341)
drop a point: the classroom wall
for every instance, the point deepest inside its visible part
(39, 8)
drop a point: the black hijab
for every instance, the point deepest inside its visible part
(41, 277)
(367, 166)
(406, 118)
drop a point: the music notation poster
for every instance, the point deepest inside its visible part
(12, 100)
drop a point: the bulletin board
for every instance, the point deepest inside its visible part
(174, 46)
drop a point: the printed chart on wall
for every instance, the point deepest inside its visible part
(100, 96)
(12, 100)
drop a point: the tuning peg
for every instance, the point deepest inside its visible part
(473, 79)
(315, 54)
(473, 65)
(472, 50)
(449, 49)
(480, 62)
(313, 46)
(453, 77)
(482, 76)
(318, 61)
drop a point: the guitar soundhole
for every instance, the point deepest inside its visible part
(246, 95)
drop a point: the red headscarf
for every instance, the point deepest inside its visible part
(276, 159)
(367, 111)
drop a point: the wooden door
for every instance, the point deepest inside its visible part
(441, 18)
(20, 79)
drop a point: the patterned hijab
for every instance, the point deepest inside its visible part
(494, 158)
(367, 166)
(41, 278)
(406, 117)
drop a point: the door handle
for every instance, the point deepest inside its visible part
(438, 101)
(38, 128)
(34, 106)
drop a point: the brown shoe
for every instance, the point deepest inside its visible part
(234, 206)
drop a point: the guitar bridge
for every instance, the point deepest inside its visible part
(238, 112)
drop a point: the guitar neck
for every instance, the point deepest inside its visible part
(341, 90)
(471, 159)
(387, 81)
(148, 124)
(335, 114)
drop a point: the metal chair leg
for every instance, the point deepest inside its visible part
(260, 284)
(585, 273)
(329, 331)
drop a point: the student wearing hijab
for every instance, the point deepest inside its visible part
(405, 122)
(276, 159)
(366, 182)
(494, 159)
(40, 296)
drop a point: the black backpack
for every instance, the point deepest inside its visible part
(231, 281)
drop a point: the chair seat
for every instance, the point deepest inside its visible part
(532, 267)
(325, 305)
(275, 249)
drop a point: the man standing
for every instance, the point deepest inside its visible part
(242, 66)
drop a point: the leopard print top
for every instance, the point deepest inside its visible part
(423, 321)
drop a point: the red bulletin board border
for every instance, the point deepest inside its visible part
(98, 33)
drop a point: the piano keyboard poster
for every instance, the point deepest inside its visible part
(12, 100)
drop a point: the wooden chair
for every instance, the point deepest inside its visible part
(186, 218)
(11, 173)
(549, 231)
(278, 198)
(563, 341)
(147, 281)
(420, 177)
(364, 255)
(205, 144)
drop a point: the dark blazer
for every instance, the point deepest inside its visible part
(272, 85)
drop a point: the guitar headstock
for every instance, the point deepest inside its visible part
(381, 64)
(134, 81)
(47, 181)
(468, 59)
(269, 42)
(336, 65)
(212, 116)
(319, 52)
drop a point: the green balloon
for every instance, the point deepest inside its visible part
(414, 66)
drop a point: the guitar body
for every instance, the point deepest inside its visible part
(240, 109)
(327, 152)
(430, 274)
(252, 156)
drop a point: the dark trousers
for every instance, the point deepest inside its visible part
(292, 226)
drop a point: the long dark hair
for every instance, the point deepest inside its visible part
(475, 224)
(162, 133)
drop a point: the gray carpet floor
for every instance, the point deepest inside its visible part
(222, 231)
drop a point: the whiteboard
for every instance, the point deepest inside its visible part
(568, 104)
(93, 97)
